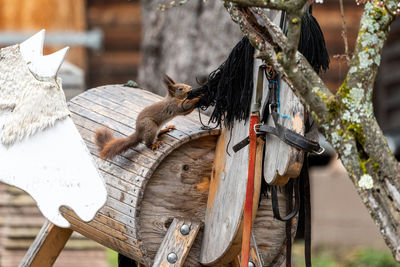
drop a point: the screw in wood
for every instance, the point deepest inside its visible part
(172, 257)
(185, 229)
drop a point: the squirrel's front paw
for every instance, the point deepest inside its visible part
(170, 128)
(156, 145)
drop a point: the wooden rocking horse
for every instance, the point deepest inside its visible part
(182, 204)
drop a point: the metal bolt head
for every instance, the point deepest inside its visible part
(185, 229)
(251, 264)
(172, 257)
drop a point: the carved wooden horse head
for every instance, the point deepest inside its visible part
(41, 150)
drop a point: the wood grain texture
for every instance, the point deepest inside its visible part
(138, 209)
(147, 189)
(223, 221)
(269, 233)
(225, 203)
(46, 247)
(283, 161)
(176, 242)
(178, 188)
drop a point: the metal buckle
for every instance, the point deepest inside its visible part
(320, 150)
(269, 71)
(256, 126)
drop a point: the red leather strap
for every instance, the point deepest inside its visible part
(248, 203)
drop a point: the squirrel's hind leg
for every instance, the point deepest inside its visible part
(150, 133)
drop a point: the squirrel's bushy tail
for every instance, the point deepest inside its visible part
(110, 147)
(102, 137)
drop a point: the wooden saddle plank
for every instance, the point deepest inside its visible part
(223, 221)
(283, 161)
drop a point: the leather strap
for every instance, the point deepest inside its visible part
(248, 203)
(241, 144)
(286, 135)
(275, 203)
(289, 137)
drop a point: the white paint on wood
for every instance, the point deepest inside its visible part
(55, 168)
(41, 66)
(33, 47)
(41, 150)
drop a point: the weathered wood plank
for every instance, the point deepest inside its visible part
(177, 242)
(47, 246)
(116, 125)
(130, 111)
(91, 126)
(283, 161)
(106, 239)
(221, 243)
(255, 255)
(186, 125)
(120, 235)
(146, 97)
(146, 189)
(178, 188)
(116, 116)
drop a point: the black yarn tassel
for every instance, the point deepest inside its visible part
(312, 43)
(230, 87)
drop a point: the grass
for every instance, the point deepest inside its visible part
(321, 257)
(340, 257)
(112, 258)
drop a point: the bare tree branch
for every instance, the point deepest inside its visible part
(344, 34)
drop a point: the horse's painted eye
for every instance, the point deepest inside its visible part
(180, 88)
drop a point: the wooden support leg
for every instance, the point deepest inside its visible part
(176, 243)
(46, 247)
(255, 256)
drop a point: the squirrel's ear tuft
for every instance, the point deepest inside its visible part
(168, 81)
(170, 84)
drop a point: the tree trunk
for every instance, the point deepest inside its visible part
(186, 42)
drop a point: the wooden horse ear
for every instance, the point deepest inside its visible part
(170, 84)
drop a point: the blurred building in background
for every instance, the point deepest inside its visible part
(105, 39)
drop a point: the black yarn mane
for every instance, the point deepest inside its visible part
(312, 43)
(229, 88)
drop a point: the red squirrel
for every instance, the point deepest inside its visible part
(149, 121)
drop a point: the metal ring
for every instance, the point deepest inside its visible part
(320, 150)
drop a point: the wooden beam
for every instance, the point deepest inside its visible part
(46, 247)
(177, 241)
(255, 256)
